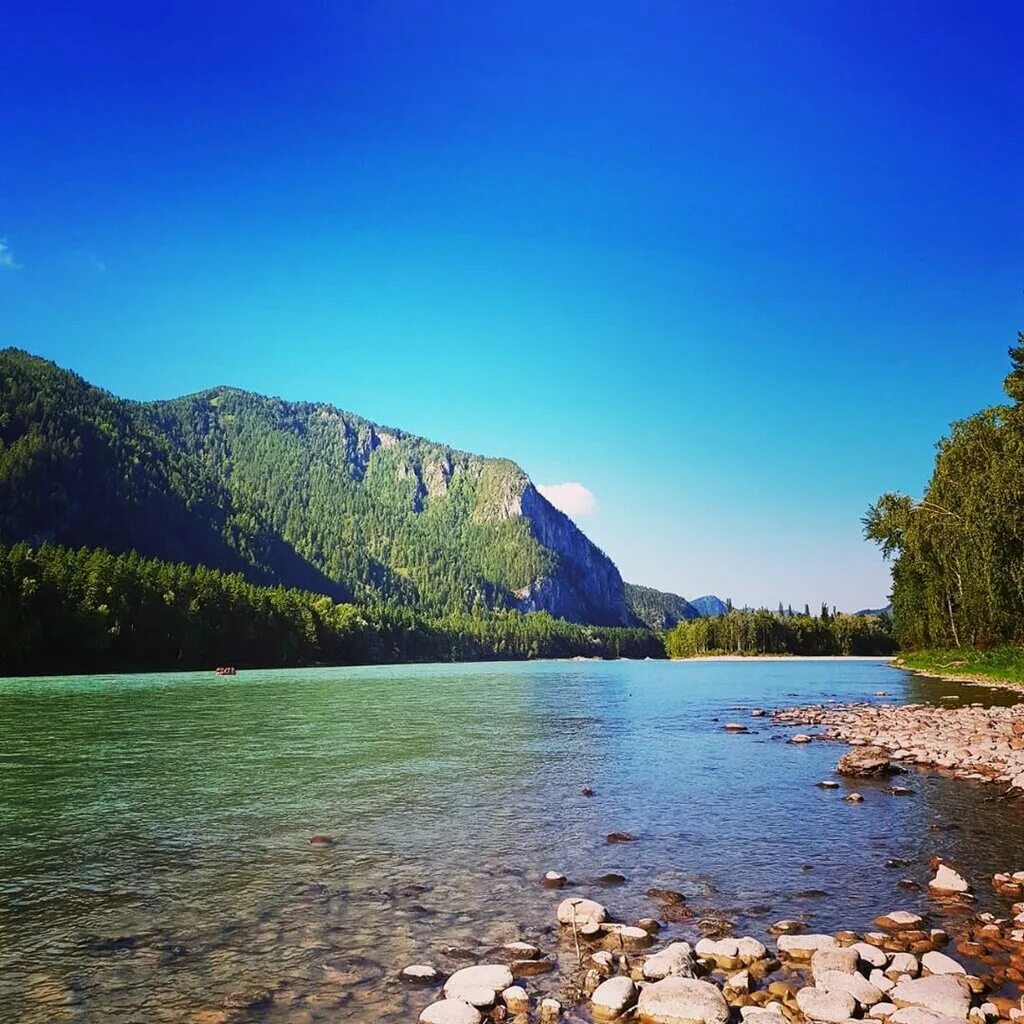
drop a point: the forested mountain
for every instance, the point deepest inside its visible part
(657, 608)
(958, 575)
(709, 606)
(293, 493)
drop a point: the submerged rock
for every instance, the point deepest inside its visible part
(420, 974)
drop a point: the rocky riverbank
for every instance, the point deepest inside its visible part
(895, 974)
(981, 743)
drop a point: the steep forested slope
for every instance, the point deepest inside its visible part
(295, 493)
(656, 608)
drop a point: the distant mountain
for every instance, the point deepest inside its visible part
(883, 613)
(656, 608)
(297, 493)
(709, 606)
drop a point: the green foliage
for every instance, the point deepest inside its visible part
(657, 609)
(765, 632)
(88, 610)
(958, 574)
(1002, 664)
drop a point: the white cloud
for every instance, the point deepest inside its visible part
(571, 498)
(7, 257)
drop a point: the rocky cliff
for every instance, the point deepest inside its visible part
(296, 493)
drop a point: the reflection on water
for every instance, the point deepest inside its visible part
(154, 862)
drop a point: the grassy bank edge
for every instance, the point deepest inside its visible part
(1004, 665)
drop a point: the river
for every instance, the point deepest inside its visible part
(154, 854)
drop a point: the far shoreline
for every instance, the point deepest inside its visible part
(790, 657)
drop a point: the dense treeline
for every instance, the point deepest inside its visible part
(764, 632)
(88, 610)
(958, 574)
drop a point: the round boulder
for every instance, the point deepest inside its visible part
(581, 911)
(612, 998)
(480, 985)
(450, 1011)
(682, 1001)
(867, 762)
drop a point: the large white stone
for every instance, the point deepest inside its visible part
(682, 1001)
(903, 963)
(948, 880)
(871, 955)
(829, 1007)
(480, 985)
(749, 949)
(941, 993)
(583, 911)
(802, 947)
(450, 1011)
(856, 984)
(919, 1015)
(880, 981)
(938, 963)
(613, 997)
(712, 949)
(881, 1010)
(834, 958)
(675, 960)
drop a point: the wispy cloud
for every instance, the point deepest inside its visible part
(7, 260)
(572, 498)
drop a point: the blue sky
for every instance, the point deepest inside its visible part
(731, 267)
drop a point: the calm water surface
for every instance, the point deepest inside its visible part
(154, 863)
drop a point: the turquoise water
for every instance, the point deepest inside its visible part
(154, 862)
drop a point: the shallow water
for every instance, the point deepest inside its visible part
(154, 861)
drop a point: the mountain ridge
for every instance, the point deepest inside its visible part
(299, 493)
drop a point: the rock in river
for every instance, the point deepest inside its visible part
(580, 911)
(613, 997)
(420, 974)
(867, 762)
(450, 1011)
(480, 985)
(948, 880)
(682, 1001)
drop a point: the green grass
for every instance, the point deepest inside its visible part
(1001, 664)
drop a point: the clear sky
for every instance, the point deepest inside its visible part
(730, 267)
